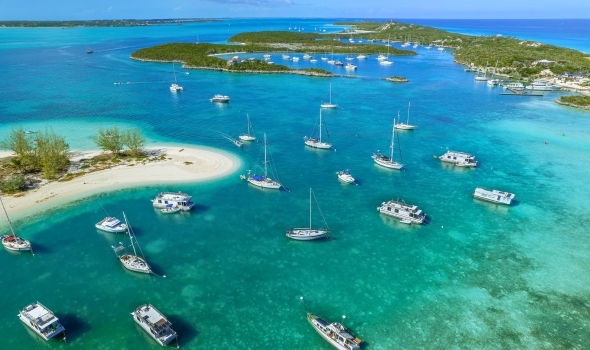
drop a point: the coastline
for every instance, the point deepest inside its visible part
(573, 105)
(182, 165)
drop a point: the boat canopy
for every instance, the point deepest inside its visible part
(258, 177)
(169, 205)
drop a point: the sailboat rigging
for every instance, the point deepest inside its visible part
(317, 142)
(263, 180)
(175, 87)
(330, 104)
(387, 161)
(406, 125)
(249, 135)
(309, 233)
(14, 242)
(132, 262)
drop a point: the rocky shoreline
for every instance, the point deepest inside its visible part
(572, 105)
(397, 79)
(295, 72)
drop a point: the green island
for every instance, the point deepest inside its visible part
(513, 57)
(103, 23)
(582, 102)
(397, 79)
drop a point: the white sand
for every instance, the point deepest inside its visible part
(206, 165)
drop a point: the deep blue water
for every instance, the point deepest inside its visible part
(477, 276)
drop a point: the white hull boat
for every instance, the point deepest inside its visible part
(494, 196)
(170, 209)
(154, 323)
(345, 176)
(329, 104)
(182, 200)
(220, 98)
(175, 87)
(111, 224)
(406, 125)
(334, 333)
(387, 161)
(263, 181)
(249, 136)
(317, 142)
(459, 159)
(132, 262)
(402, 211)
(41, 320)
(12, 241)
(309, 233)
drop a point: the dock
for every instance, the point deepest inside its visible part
(514, 92)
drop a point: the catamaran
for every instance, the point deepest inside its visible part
(249, 135)
(317, 142)
(132, 262)
(14, 242)
(309, 233)
(330, 104)
(263, 180)
(406, 125)
(387, 161)
(41, 320)
(154, 323)
(175, 87)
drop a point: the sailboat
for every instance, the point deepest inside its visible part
(484, 78)
(309, 233)
(249, 136)
(13, 241)
(132, 262)
(263, 180)
(386, 61)
(407, 125)
(317, 143)
(89, 50)
(330, 104)
(175, 87)
(492, 81)
(387, 161)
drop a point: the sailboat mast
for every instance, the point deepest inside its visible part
(174, 70)
(321, 124)
(130, 234)
(408, 122)
(7, 218)
(331, 89)
(310, 208)
(265, 156)
(392, 138)
(248, 117)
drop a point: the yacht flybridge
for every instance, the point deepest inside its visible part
(132, 262)
(41, 320)
(179, 199)
(263, 180)
(317, 142)
(459, 159)
(406, 125)
(334, 333)
(400, 210)
(309, 233)
(330, 104)
(154, 323)
(387, 161)
(494, 196)
(175, 87)
(13, 241)
(111, 224)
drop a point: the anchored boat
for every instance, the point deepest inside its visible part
(387, 161)
(175, 87)
(329, 104)
(493, 196)
(345, 176)
(317, 142)
(111, 224)
(14, 242)
(41, 320)
(263, 180)
(309, 233)
(132, 262)
(459, 159)
(155, 324)
(406, 125)
(249, 135)
(220, 98)
(182, 200)
(334, 333)
(403, 211)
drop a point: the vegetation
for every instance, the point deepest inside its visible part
(109, 139)
(575, 101)
(513, 56)
(134, 141)
(44, 151)
(101, 23)
(397, 79)
(13, 184)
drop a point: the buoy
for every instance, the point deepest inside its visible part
(545, 142)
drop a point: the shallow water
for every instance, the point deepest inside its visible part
(477, 276)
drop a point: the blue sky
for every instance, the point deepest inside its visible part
(141, 9)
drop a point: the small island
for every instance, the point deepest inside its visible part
(582, 102)
(397, 79)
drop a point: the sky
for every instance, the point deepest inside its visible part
(149, 9)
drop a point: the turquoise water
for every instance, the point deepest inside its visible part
(477, 276)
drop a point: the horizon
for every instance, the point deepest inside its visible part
(301, 18)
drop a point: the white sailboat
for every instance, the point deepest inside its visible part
(386, 61)
(14, 242)
(263, 180)
(406, 125)
(317, 142)
(330, 104)
(484, 78)
(387, 161)
(132, 262)
(175, 87)
(249, 136)
(309, 233)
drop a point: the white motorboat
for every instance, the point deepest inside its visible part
(494, 82)
(179, 199)
(480, 78)
(317, 142)
(514, 86)
(286, 57)
(441, 49)
(221, 98)
(406, 221)
(330, 61)
(324, 58)
(345, 176)
(41, 320)
(306, 56)
(170, 209)
(13, 241)
(313, 60)
(249, 135)
(361, 57)
(400, 210)
(111, 224)
(263, 180)
(387, 161)
(132, 262)
(334, 333)
(329, 104)
(175, 87)
(349, 58)
(406, 125)
(385, 61)
(459, 159)
(350, 66)
(428, 47)
(542, 85)
(295, 59)
(381, 58)
(494, 196)
(309, 233)
(267, 56)
(154, 323)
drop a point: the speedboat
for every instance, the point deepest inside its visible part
(154, 323)
(361, 57)
(494, 196)
(41, 320)
(111, 224)
(220, 98)
(345, 176)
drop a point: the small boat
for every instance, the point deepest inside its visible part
(441, 49)
(350, 66)
(89, 50)
(381, 57)
(428, 47)
(286, 57)
(406, 125)
(324, 58)
(403, 211)
(361, 57)
(295, 59)
(238, 143)
(41, 320)
(170, 209)
(514, 86)
(329, 104)
(28, 132)
(175, 87)
(267, 56)
(334, 333)
(249, 135)
(179, 199)
(264, 181)
(309, 233)
(13, 241)
(313, 60)
(317, 142)
(385, 61)
(387, 161)
(154, 323)
(542, 85)
(494, 82)
(345, 176)
(132, 262)
(459, 159)
(331, 62)
(494, 196)
(306, 56)
(220, 98)
(111, 224)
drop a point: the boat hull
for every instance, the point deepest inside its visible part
(386, 63)
(265, 184)
(327, 338)
(105, 229)
(134, 263)
(402, 218)
(306, 234)
(164, 342)
(247, 138)
(48, 336)
(328, 105)
(346, 178)
(389, 164)
(320, 145)
(404, 127)
(15, 246)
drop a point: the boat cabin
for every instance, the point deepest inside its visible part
(458, 157)
(180, 199)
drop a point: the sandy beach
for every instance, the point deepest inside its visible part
(182, 165)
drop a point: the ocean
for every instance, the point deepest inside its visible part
(477, 276)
